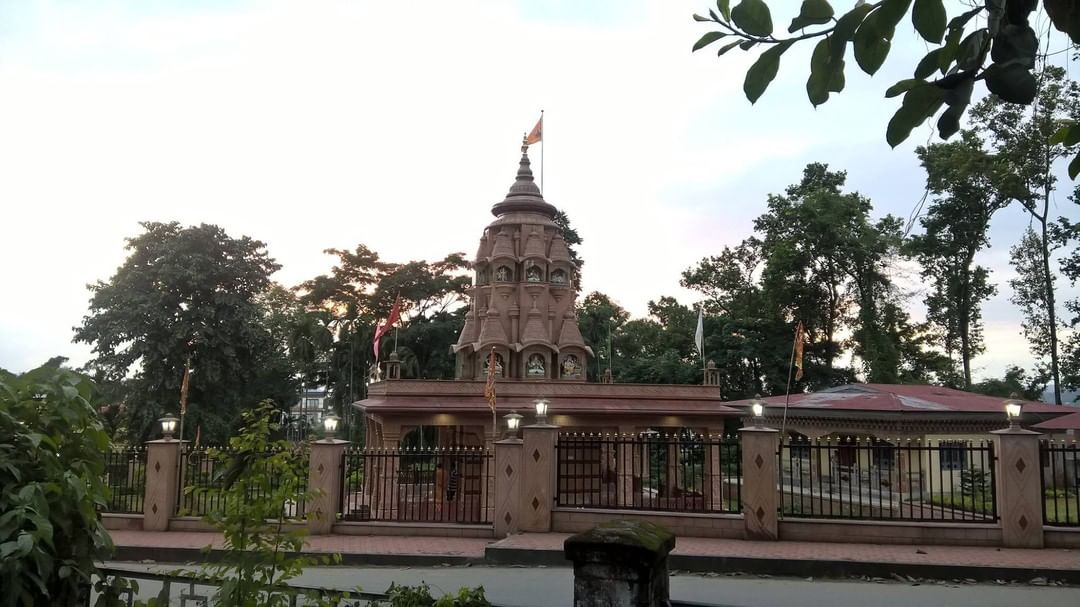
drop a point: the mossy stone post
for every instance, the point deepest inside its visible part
(162, 491)
(325, 480)
(621, 564)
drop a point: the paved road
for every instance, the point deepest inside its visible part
(548, 587)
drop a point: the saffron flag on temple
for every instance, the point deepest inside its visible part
(489, 387)
(537, 134)
(800, 337)
(184, 386)
(699, 335)
(395, 315)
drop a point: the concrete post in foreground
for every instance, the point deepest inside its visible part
(759, 487)
(162, 480)
(538, 484)
(1019, 487)
(508, 473)
(621, 563)
(325, 479)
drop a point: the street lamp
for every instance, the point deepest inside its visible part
(758, 409)
(541, 410)
(513, 420)
(168, 426)
(1013, 408)
(330, 425)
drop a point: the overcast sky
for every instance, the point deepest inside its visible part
(311, 125)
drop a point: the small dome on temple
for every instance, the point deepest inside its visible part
(524, 195)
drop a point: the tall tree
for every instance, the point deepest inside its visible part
(1016, 381)
(599, 319)
(991, 43)
(1040, 324)
(1021, 137)
(187, 291)
(961, 177)
(573, 240)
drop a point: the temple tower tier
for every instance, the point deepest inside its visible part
(523, 298)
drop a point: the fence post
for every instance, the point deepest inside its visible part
(508, 471)
(1019, 487)
(162, 480)
(538, 484)
(325, 480)
(759, 489)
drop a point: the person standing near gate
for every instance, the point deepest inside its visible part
(451, 487)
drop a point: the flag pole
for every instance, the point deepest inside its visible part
(542, 151)
(787, 393)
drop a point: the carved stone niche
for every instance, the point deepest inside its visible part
(572, 364)
(536, 363)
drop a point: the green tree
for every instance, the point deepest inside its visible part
(1015, 381)
(600, 319)
(991, 43)
(1040, 324)
(1022, 141)
(52, 466)
(961, 177)
(573, 239)
(187, 292)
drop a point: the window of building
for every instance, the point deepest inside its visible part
(800, 446)
(884, 455)
(312, 404)
(953, 454)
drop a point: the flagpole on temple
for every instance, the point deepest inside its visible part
(542, 151)
(791, 369)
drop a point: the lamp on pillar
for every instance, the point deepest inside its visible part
(1014, 407)
(541, 405)
(758, 410)
(330, 425)
(513, 421)
(168, 426)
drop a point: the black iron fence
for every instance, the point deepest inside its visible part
(676, 472)
(452, 485)
(1061, 482)
(198, 470)
(125, 475)
(901, 480)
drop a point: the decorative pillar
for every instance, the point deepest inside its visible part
(325, 479)
(388, 462)
(759, 488)
(162, 483)
(508, 484)
(712, 374)
(538, 490)
(1019, 487)
(393, 366)
(714, 469)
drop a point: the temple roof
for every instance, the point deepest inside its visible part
(524, 195)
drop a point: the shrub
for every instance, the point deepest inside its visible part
(52, 466)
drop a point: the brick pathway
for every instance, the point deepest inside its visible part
(1048, 558)
(686, 546)
(343, 544)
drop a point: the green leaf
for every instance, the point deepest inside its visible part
(1068, 135)
(753, 17)
(928, 17)
(845, 29)
(698, 17)
(871, 48)
(1065, 14)
(958, 22)
(813, 12)
(747, 44)
(919, 103)
(903, 86)
(928, 64)
(1074, 166)
(763, 71)
(817, 85)
(970, 54)
(727, 47)
(724, 6)
(1011, 82)
(1015, 43)
(707, 39)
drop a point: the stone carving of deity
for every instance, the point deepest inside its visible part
(534, 274)
(571, 367)
(558, 277)
(502, 274)
(535, 366)
(498, 365)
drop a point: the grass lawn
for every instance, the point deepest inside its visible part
(1055, 510)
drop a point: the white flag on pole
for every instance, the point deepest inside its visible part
(699, 335)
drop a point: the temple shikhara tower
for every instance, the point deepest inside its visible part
(522, 299)
(522, 305)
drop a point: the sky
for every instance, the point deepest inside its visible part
(325, 124)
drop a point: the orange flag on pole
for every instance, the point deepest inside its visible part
(537, 134)
(184, 386)
(800, 337)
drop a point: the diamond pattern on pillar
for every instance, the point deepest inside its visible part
(535, 503)
(760, 513)
(153, 509)
(1020, 465)
(157, 466)
(320, 468)
(509, 471)
(536, 455)
(758, 461)
(1023, 522)
(508, 518)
